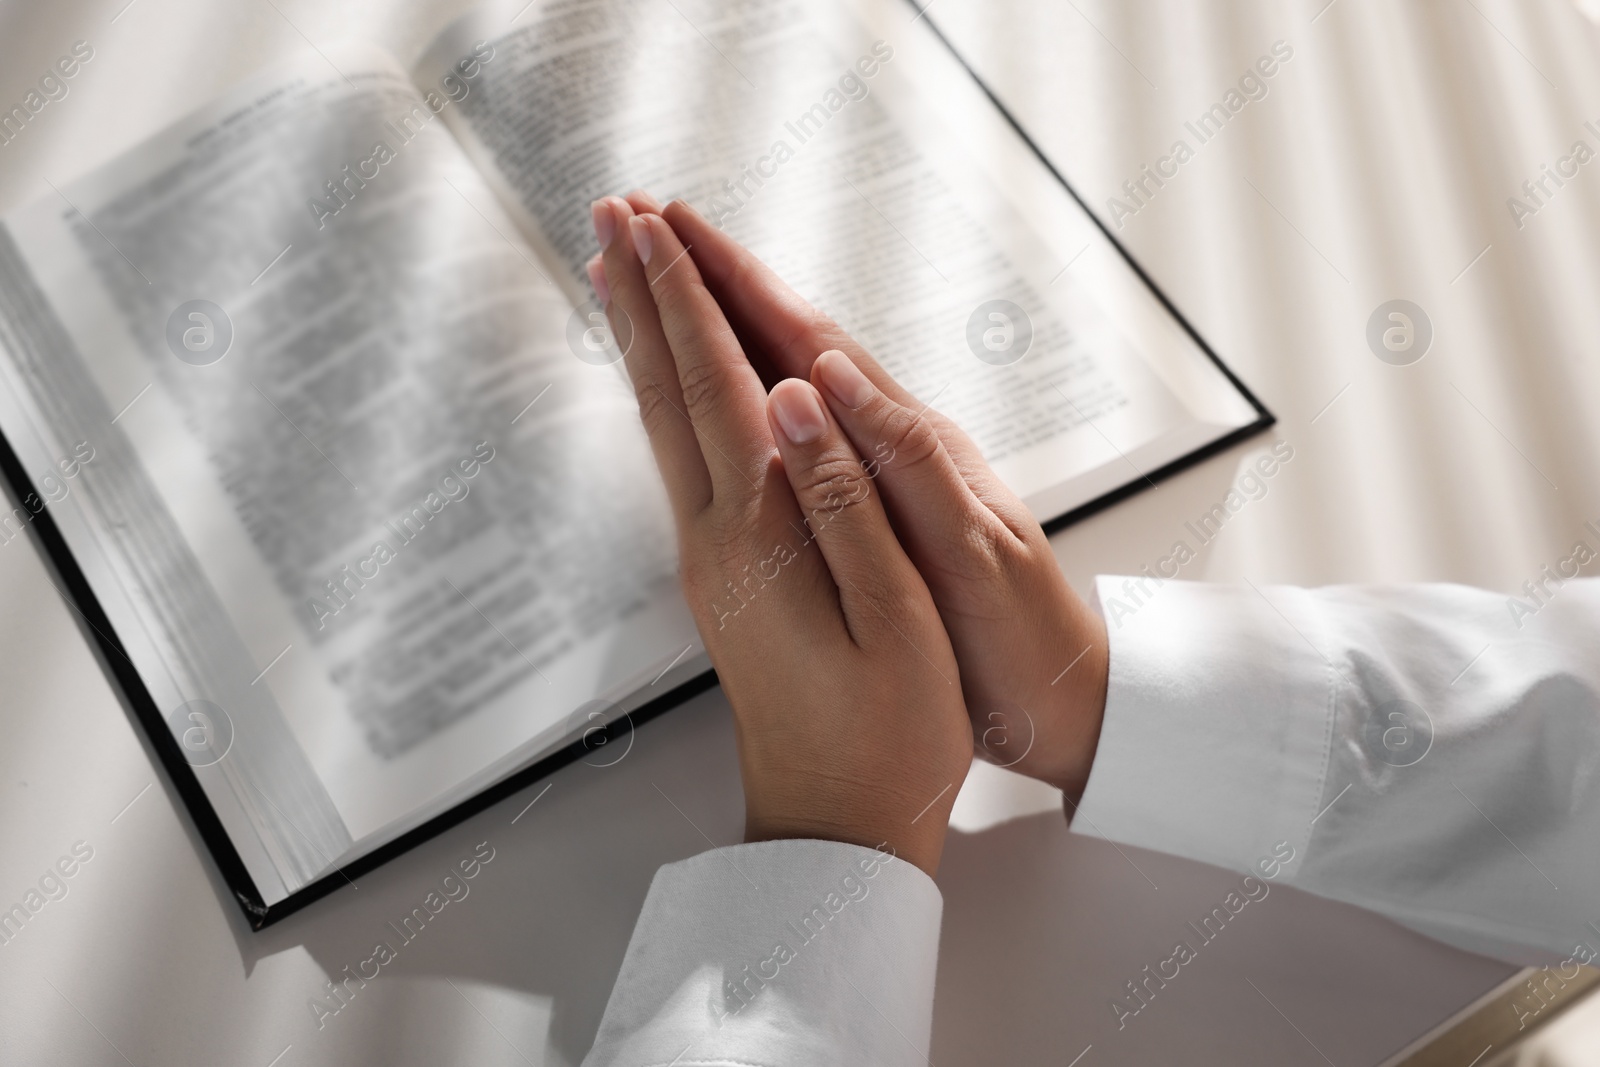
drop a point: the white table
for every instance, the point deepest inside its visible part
(1377, 167)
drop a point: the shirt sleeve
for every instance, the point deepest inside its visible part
(1430, 752)
(778, 954)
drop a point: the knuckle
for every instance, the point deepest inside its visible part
(883, 605)
(831, 484)
(656, 410)
(988, 544)
(909, 437)
(986, 553)
(701, 385)
(899, 600)
(680, 294)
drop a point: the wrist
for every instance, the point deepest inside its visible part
(1081, 710)
(1057, 722)
(918, 840)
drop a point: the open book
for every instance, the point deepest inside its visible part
(308, 401)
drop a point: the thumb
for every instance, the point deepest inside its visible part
(926, 493)
(843, 514)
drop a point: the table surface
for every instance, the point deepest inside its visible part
(1378, 166)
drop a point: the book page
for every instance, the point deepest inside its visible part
(426, 516)
(850, 151)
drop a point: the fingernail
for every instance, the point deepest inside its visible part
(605, 223)
(597, 278)
(686, 206)
(641, 237)
(799, 414)
(650, 202)
(844, 379)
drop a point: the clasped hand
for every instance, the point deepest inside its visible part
(876, 602)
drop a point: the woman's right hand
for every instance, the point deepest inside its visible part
(1034, 657)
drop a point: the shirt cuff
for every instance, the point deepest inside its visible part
(775, 954)
(1218, 722)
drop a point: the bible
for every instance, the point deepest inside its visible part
(308, 404)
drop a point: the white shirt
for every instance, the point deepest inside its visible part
(1430, 752)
